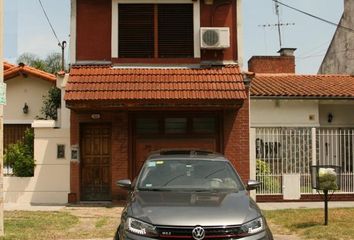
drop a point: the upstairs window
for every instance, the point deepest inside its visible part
(155, 30)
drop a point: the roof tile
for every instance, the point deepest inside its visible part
(109, 83)
(290, 85)
(11, 71)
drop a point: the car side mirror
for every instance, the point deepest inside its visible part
(125, 184)
(252, 184)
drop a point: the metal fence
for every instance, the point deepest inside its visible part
(291, 151)
(336, 147)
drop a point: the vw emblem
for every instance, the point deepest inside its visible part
(198, 233)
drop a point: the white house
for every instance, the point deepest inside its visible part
(298, 121)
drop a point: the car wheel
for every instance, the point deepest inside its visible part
(116, 236)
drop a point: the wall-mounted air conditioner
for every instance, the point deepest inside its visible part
(214, 37)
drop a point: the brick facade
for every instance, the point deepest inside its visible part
(236, 139)
(235, 145)
(272, 64)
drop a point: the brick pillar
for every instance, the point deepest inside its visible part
(74, 194)
(236, 139)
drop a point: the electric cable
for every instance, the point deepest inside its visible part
(50, 24)
(314, 16)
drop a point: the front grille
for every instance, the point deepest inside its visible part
(220, 233)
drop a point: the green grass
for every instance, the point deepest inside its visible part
(37, 225)
(309, 223)
(101, 222)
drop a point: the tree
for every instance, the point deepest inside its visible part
(51, 64)
(51, 102)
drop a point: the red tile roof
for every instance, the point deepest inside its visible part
(109, 83)
(11, 71)
(302, 86)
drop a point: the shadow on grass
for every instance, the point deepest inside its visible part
(306, 225)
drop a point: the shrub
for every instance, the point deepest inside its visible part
(51, 103)
(19, 156)
(269, 183)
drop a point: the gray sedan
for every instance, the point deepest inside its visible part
(190, 195)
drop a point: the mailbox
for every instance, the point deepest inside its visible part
(326, 177)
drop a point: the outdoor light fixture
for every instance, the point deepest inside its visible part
(329, 117)
(25, 108)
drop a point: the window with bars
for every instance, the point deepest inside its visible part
(155, 31)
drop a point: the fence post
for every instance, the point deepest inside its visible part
(253, 158)
(313, 151)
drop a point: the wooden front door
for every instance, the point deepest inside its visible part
(95, 162)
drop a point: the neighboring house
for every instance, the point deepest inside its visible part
(140, 82)
(298, 121)
(339, 58)
(26, 87)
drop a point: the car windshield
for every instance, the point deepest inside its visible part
(190, 175)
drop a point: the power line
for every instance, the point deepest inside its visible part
(50, 24)
(316, 17)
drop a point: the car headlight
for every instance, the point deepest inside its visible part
(140, 228)
(253, 226)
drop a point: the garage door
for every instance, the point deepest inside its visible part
(152, 133)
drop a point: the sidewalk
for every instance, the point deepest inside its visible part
(295, 205)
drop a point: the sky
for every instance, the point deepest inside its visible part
(26, 29)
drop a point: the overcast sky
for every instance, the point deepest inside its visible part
(26, 29)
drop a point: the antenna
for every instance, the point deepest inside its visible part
(279, 24)
(278, 16)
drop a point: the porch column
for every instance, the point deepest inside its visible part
(253, 158)
(313, 151)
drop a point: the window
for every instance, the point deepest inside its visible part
(155, 31)
(175, 125)
(204, 125)
(147, 125)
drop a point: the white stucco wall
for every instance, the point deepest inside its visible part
(22, 90)
(284, 113)
(51, 181)
(342, 112)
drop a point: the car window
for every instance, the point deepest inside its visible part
(203, 175)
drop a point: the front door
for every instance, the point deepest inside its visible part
(95, 162)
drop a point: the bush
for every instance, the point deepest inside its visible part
(19, 156)
(51, 103)
(269, 183)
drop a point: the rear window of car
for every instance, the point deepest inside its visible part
(202, 175)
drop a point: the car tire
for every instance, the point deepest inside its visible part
(116, 236)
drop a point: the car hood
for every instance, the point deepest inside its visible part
(191, 209)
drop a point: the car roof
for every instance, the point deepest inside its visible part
(186, 154)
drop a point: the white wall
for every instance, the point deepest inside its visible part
(342, 112)
(284, 113)
(22, 90)
(51, 181)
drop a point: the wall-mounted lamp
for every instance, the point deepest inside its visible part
(208, 2)
(96, 116)
(329, 117)
(25, 109)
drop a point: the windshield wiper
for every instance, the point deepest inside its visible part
(155, 189)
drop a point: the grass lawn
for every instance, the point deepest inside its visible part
(58, 225)
(309, 223)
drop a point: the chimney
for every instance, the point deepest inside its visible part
(285, 63)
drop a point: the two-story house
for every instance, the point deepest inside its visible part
(148, 75)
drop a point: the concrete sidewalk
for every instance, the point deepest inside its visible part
(263, 206)
(295, 205)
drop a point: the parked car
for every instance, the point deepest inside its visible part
(187, 194)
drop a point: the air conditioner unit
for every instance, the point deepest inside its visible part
(214, 37)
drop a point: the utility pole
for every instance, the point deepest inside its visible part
(1, 120)
(62, 45)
